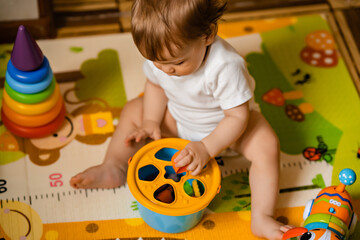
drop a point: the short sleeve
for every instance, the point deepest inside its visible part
(232, 87)
(148, 69)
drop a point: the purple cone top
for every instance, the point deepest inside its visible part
(26, 54)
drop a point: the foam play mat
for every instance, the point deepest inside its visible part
(303, 88)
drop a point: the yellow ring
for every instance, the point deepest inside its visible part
(33, 109)
(35, 120)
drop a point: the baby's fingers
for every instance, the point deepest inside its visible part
(183, 153)
(136, 136)
(156, 135)
(130, 138)
(193, 166)
(196, 171)
(181, 162)
(140, 136)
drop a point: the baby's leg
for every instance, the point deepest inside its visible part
(260, 145)
(112, 172)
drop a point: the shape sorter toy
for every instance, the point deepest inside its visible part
(32, 104)
(170, 201)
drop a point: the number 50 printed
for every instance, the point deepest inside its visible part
(55, 180)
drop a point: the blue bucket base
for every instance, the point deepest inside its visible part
(170, 224)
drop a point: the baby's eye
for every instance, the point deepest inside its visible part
(179, 63)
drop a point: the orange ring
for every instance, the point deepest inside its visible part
(35, 120)
(33, 109)
(34, 132)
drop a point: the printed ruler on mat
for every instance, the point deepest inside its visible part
(300, 179)
(77, 205)
(48, 192)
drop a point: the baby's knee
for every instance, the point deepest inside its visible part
(131, 113)
(134, 105)
(273, 141)
(267, 148)
(270, 146)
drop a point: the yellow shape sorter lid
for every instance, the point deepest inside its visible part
(154, 183)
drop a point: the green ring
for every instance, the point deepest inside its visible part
(31, 98)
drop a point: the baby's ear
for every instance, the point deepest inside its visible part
(211, 37)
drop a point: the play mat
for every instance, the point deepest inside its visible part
(303, 88)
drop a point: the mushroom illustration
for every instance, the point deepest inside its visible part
(320, 40)
(320, 49)
(297, 113)
(8, 142)
(278, 98)
(318, 58)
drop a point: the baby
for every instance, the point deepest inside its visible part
(197, 88)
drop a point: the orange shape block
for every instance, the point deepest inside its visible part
(177, 170)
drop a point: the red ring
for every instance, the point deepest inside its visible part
(34, 132)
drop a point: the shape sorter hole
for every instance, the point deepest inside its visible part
(148, 173)
(165, 154)
(165, 194)
(194, 188)
(171, 174)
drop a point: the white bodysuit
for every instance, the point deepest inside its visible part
(196, 101)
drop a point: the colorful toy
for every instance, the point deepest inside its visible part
(168, 201)
(330, 216)
(32, 104)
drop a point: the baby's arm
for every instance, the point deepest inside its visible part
(154, 107)
(229, 129)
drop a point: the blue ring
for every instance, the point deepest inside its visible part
(29, 88)
(31, 76)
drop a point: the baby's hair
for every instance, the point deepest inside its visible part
(162, 24)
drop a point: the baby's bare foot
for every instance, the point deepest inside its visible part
(100, 176)
(267, 227)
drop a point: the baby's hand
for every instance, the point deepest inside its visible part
(149, 129)
(194, 155)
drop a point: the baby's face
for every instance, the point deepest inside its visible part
(187, 61)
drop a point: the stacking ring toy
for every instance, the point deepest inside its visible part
(167, 201)
(31, 76)
(29, 88)
(34, 132)
(33, 109)
(30, 98)
(32, 121)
